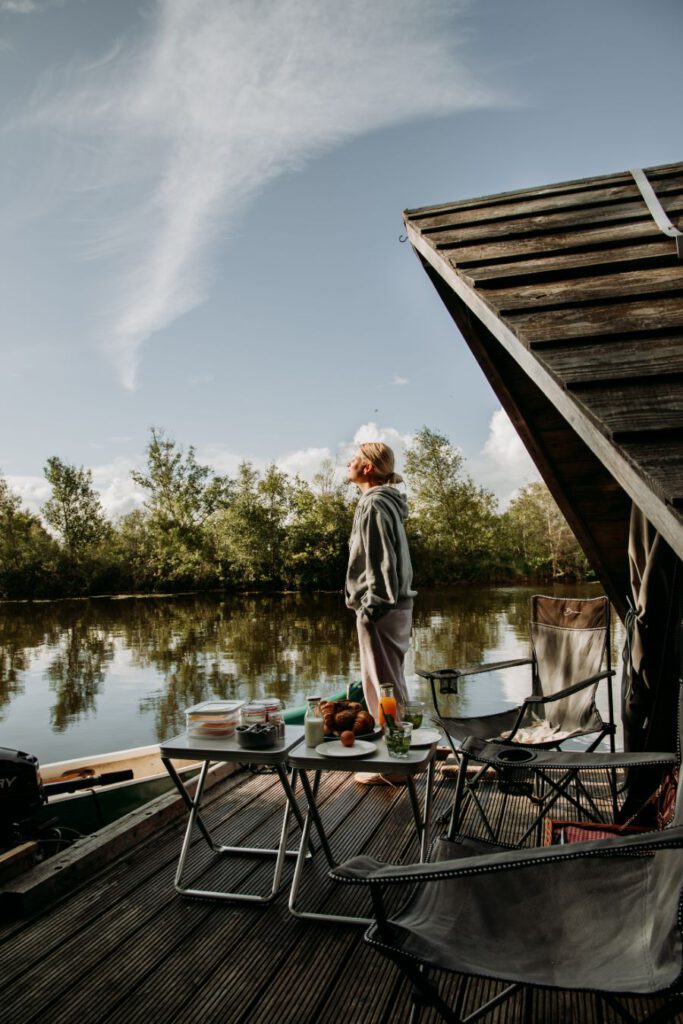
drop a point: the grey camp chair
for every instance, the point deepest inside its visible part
(602, 916)
(570, 656)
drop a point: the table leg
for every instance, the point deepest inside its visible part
(313, 816)
(427, 822)
(195, 819)
(192, 805)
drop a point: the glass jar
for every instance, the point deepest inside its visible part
(273, 706)
(253, 714)
(313, 723)
(277, 721)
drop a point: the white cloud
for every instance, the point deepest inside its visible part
(399, 381)
(304, 463)
(118, 493)
(371, 431)
(504, 465)
(33, 490)
(217, 100)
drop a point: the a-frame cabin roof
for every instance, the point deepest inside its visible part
(571, 299)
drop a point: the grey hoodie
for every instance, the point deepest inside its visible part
(379, 576)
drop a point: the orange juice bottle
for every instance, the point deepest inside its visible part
(387, 704)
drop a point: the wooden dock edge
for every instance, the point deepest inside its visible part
(55, 877)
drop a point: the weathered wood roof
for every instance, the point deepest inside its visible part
(571, 299)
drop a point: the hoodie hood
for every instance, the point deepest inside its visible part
(388, 499)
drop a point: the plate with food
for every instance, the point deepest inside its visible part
(337, 748)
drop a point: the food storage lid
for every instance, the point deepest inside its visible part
(271, 703)
(215, 707)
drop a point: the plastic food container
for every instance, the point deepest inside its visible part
(213, 718)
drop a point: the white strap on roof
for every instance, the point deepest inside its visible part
(656, 209)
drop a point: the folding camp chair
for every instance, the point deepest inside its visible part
(601, 917)
(570, 656)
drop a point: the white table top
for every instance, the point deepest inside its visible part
(226, 748)
(417, 759)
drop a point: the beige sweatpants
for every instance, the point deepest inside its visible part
(383, 645)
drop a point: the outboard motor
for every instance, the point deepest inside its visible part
(21, 793)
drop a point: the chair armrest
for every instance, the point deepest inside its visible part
(473, 670)
(487, 752)
(569, 690)
(367, 871)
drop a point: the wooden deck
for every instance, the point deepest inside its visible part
(125, 948)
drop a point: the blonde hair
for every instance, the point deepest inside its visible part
(381, 458)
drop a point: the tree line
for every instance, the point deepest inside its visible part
(198, 530)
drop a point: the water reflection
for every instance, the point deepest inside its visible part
(87, 676)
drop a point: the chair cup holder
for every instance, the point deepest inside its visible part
(514, 756)
(512, 771)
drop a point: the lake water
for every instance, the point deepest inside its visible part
(78, 678)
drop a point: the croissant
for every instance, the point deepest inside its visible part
(364, 723)
(344, 720)
(342, 715)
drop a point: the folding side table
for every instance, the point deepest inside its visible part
(305, 759)
(227, 749)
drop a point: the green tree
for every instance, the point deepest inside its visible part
(75, 514)
(28, 554)
(74, 511)
(252, 531)
(537, 537)
(319, 532)
(181, 492)
(452, 522)
(183, 497)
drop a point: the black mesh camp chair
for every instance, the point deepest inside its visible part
(570, 656)
(601, 917)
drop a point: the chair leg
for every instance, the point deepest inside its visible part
(457, 799)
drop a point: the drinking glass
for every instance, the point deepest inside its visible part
(413, 712)
(398, 739)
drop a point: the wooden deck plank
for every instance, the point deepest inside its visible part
(154, 956)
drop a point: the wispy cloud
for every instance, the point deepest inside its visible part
(218, 100)
(399, 381)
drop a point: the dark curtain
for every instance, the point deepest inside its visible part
(652, 652)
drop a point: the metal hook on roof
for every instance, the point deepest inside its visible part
(656, 209)
(403, 238)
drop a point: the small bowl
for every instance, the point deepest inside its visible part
(256, 737)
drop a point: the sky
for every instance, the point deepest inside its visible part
(201, 211)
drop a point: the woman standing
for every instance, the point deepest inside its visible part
(380, 575)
